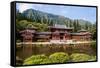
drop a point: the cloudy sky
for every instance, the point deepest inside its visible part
(73, 12)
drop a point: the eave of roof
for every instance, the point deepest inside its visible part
(52, 27)
(43, 33)
(80, 33)
(82, 30)
(23, 31)
(42, 36)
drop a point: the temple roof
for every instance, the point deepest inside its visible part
(60, 26)
(56, 32)
(42, 36)
(76, 34)
(27, 30)
(65, 32)
(57, 26)
(43, 33)
(80, 33)
(82, 30)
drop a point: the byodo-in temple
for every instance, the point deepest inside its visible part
(55, 32)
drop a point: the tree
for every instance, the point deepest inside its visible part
(75, 25)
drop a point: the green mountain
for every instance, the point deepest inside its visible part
(42, 17)
(42, 20)
(37, 16)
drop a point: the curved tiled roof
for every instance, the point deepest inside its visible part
(82, 30)
(80, 33)
(57, 26)
(60, 27)
(42, 36)
(27, 30)
(43, 33)
(56, 32)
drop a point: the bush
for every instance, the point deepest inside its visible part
(80, 57)
(46, 61)
(59, 57)
(35, 59)
(28, 62)
(93, 58)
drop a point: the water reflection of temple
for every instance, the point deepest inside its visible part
(56, 32)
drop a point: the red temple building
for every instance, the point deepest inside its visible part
(56, 32)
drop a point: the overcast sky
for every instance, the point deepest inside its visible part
(73, 12)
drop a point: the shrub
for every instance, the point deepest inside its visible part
(93, 58)
(80, 57)
(28, 62)
(35, 59)
(59, 57)
(46, 61)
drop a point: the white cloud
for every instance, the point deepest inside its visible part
(24, 6)
(21, 6)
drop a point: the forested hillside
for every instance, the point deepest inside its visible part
(41, 20)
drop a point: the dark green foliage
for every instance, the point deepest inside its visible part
(41, 26)
(20, 25)
(76, 25)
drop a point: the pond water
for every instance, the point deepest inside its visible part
(26, 50)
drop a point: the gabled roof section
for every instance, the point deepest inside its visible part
(27, 30)
(57, 26)
(60, 26)
(86, 33)
(82, 30)
(42, 36)
(43, 32)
